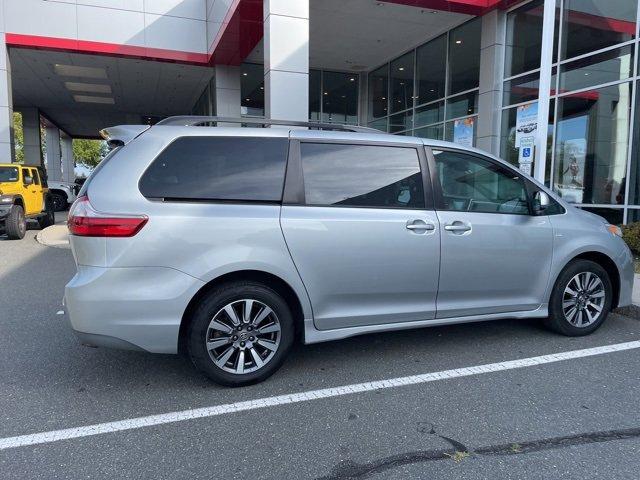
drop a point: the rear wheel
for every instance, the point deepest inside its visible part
(48, 218)
(581, 299)
(240, 333)
(15, 223)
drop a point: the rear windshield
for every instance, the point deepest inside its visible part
(8, 174)
(218, 168)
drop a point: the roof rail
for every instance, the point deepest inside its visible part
(195, 120)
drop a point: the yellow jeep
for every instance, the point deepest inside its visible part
(23, 195)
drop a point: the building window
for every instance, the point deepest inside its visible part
(591, 145)
(591, 25)
(401, 72)
(524, 39)
(379, 92)
(339, 97)
(464, 57)
(412, 95)
(431, 64)
(315, 93)
(252, 89)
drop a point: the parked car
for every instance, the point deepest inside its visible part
(23, 195)
(230, 244)
(63, 194)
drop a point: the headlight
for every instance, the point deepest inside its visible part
(6, 199)
(613, 229)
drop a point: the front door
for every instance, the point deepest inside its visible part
(496, 255)
(363, 237)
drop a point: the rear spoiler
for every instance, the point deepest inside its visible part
(122, 134)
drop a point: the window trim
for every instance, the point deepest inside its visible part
(438, 192)
(294, 193)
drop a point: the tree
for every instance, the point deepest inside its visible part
(89, 152)
(18, 138)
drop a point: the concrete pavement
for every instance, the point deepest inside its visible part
(571, 419)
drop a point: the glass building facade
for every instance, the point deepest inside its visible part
(431, 89)
(591, 153)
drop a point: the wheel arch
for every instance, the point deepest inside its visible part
(605, 262)
(59, 191)
(18, 200)
(273, 281)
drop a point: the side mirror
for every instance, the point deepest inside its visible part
(541, 201)
(28, 180)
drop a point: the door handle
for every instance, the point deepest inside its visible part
(457, 227)
(420, 226)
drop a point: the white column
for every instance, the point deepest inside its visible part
(227, 91)
(546, 60)
(68, 164)
(491, 68)
(7, 153)
(32, 145)
(54, 164)
(286, 59)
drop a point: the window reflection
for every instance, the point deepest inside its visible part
(606, 67)
(524, 39)
(591, 145)
(590, 25)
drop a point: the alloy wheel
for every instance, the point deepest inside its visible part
(243, 336)
(583, 299)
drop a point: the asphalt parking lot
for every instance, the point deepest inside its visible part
(574, 418)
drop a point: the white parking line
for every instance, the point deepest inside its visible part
(180, 416)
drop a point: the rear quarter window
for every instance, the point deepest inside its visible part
(218, 168)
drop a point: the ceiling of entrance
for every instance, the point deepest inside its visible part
(362, 34)
(85, 93)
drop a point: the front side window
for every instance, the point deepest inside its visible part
(218, 168)
(8, 174)
(362, 176)
(473, 184)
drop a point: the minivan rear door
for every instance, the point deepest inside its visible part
(359, 222)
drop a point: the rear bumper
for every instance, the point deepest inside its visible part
(129, 308)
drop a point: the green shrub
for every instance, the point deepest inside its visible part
(631, 235)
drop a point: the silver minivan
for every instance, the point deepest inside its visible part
(230, 244)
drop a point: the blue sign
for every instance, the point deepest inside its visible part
(526, 152)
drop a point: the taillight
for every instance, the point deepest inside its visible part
(85, 221)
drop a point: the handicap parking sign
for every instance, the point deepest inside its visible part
(526, 152)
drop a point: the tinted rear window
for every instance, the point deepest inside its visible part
(218, 168)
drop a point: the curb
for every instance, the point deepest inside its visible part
(56, 236)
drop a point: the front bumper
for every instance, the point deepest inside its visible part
(627, 273)
(4, 212)
(130, 308)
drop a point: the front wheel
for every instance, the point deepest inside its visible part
(240, 333)
(16, 224)
(581, 299)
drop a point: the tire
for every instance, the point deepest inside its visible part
(16, 224)
(59, 202)
(208, 343)
(48, 218)
(577, 315)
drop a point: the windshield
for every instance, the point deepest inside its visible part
(8, 174)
